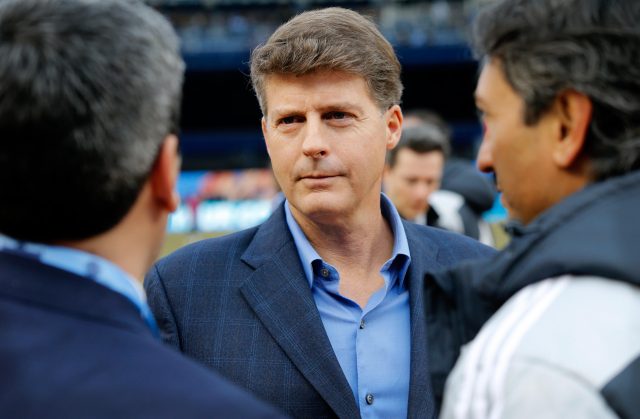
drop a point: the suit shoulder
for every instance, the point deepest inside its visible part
(106, 370)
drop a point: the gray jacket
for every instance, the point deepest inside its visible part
(550, 352)
(566, 340)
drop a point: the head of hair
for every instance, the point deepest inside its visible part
(546, 47)
(424, 138)
(332, 39)
(89, 89)
(429, 117)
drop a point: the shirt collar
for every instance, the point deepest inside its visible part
(400, 258)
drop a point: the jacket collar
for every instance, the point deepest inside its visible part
(279, 294)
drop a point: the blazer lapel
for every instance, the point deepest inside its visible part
(423, 259)
(279, 294)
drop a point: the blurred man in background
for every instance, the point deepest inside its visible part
(413, 172)
(464, 193)
(90, 92)
(560, 97)
(318, 310)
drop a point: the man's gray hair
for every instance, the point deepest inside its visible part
(89, 89)
(591, 46)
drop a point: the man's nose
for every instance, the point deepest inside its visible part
(421, 191)
(485, 157)
(314, 142)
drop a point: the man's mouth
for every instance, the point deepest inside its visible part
(319, 176)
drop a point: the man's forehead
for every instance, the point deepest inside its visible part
(484, 81)
(319, 74)
(293, 87)
(492, 84)
(337, 74)
(409, 152)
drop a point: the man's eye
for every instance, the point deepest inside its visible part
(337, 115)
(288, 120)
(339, 118)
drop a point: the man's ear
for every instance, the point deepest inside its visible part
(574, 112)
(394, 125)
(164, 174)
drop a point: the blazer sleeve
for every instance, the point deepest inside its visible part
(161, 308)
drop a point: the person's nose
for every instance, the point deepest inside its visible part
(314, 143)
(421, 191)
(485, 155)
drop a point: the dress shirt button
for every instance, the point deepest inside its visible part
(324, 272)
(362, 324)
(369, 398)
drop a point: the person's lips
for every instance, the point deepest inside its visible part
(318, 179)
(319, 175)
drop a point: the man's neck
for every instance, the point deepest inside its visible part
(356, 246)
(132, 244)
(117, 252)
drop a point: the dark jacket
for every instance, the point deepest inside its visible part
(462, 177)
(71, 348)
(592, 232)
(478, 192)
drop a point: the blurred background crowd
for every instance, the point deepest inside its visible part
(226, 183)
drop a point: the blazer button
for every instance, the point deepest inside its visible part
(369, 398)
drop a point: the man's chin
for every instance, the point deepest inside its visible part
(320, 207)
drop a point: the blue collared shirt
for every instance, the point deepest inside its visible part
(373, 345)
(86, 265)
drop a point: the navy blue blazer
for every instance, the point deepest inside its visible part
(71, 348)
(241, 304)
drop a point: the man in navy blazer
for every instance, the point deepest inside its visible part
(88, 161)
(318, 310)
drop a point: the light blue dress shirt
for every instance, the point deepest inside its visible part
(373, 345)
(86, 265)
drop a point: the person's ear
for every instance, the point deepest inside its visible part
(165, 172)
(573, 110)
(394, 125)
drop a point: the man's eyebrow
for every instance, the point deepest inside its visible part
(336, 106)
(341, 106)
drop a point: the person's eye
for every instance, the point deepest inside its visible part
(338, 117)
(288, 120)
